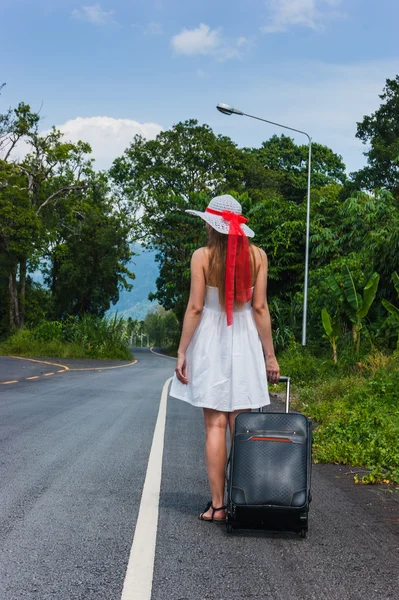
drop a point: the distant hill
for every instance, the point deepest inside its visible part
(135, 304)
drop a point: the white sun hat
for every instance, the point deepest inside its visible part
(221, 203)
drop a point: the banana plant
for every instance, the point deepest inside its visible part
(331, 327)
(393, 310)
(355, 306)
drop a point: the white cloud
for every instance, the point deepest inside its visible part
(206, 41)
(93, 14)
(301, 13)
(202, 40)
(108, 137)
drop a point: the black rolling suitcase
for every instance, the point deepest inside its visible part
(269, 471)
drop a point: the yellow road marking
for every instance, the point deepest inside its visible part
(105, 368)
(43, 362)
(65, 368)
(8, 382)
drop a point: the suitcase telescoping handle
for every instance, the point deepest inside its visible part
(286, 380)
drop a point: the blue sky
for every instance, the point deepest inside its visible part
(105, 71)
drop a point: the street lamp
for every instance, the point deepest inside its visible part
(228, 110)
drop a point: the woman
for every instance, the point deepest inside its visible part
(226, 354)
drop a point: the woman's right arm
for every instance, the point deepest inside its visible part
(262, 318)
(193, 312)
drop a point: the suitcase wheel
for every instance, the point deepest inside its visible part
(303, 533)
(229, 528)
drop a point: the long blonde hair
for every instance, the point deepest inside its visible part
(217, 244)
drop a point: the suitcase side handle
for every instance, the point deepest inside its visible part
(287, 381)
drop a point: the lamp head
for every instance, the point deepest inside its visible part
(228, 110)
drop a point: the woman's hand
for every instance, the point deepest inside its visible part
(180, 369)
(272, 369)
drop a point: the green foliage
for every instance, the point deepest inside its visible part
(299, 364)
(331, 327)
(48, 330)
(185, 166)
(55, 211)
(86, 261)
(393, 310)
(365, 237)
(178, 235)
(369, 294)
(87, 337)
(37, 303)
(380, 131)
(363, 425)
(355, 407)
(286, 321)
(159, 179)
(23, 343)
(287, 163)
(100, 337)
(354, 305)
(163, 328)
(279, 226)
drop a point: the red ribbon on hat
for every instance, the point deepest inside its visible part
(238, 265)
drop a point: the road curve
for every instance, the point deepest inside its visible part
(74, 450)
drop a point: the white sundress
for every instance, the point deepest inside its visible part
(225, 365)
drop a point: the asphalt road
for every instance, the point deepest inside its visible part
(74, 448)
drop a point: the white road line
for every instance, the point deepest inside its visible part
(163, 355)
(140, 568)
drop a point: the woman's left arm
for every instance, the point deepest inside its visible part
(193, 312)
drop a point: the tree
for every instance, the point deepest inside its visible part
(186, 166)
(162, 327)
(279, 226)
(380, 131)
(19, 231)
(49, 172)
(55, 212)
(331, 328)
(188, 158)
(369, 226)
(286, 164)
(354, 305)
(86, 256)
(393, 310)
(364, 225)
(158, 179)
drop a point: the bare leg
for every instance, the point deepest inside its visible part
(216, 456)
(232, 417)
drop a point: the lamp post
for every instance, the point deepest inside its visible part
(228, 110)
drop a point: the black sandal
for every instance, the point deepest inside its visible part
(212, 519)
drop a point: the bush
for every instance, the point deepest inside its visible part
(86, 337)
(303, 367)
(355, 408)
(17, 343)
(100, 337)
(286, 322)
(48, 330)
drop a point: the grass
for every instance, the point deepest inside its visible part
(355, 406)
(89, 337)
